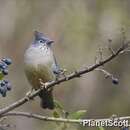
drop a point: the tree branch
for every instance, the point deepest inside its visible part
(64, 120)
(73, 75)
(40, 117)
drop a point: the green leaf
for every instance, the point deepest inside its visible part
(1, 75)
(56, 114)
(58, 105)
(78, 114)
(101, 128)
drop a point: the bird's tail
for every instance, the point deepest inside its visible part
(46, 99)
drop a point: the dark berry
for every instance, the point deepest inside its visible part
(7, 61)
(8, 85)
(6, 81)
(3, 65)
(2, 83)
(115, 81)
(3, 91)
(5, 72)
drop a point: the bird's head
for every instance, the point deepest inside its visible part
(40, 38)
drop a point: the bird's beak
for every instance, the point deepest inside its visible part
(49, 42)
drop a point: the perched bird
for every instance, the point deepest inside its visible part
(41, 64)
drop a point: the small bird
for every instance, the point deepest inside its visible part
(41, 64)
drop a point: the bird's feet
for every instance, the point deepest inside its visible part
(63, 73)
(60, 74)
(28, 94)
(44, 85)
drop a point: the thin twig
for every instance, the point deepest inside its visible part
(68, 77)
(106, 73)
(40, 117)
(53, 119)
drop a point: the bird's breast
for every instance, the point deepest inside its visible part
(38, 64)
(38, 55)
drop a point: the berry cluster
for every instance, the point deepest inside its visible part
(4, 65)
(4, 84)
(4, 87)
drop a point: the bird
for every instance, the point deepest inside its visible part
(41, 64)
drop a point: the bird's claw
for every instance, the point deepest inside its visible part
(44, 84)
(28, 94)
(63, 71)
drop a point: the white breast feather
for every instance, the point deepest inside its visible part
(38, 55)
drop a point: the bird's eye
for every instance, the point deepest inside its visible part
(41, 41)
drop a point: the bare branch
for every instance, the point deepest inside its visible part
(40, 117)
(73, 75)
(61, 120)
(106, 73)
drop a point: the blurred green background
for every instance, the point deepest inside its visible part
(79, 28)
